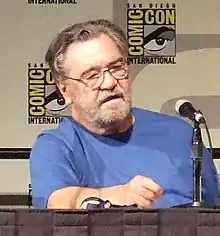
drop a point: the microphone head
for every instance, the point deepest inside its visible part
(179, 103)
(185, 108)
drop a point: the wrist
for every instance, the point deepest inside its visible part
(114, 194)
(85, 193)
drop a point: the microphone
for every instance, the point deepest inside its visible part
(185, 108)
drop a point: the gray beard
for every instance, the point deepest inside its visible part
(98, 119)
(101, 123)
(111, 121)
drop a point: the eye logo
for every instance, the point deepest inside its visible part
(54, 103)
(158, 40)
(151, 35)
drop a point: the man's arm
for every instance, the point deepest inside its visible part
(140, 190)
(55, 183)
(58, 184)
(72, 197)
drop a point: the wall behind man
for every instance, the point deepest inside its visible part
(27, 30)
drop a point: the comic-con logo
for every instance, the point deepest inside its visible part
(151, 34)
(45, 103)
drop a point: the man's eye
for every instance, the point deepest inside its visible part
(92, 76)
(117, 67)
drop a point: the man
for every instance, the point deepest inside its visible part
(106, 148)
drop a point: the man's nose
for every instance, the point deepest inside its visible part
(109, 82)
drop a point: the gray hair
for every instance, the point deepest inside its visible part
(81, 32)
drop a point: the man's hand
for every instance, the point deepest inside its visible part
(141, 191)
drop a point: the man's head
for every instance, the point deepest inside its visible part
(88, 63)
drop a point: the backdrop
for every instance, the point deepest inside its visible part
(174, 50)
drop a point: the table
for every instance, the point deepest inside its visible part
(111, 222)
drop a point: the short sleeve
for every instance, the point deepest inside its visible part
(50, 168)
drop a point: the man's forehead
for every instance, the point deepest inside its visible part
(82, 57)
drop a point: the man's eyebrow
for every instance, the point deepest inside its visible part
(120, 59)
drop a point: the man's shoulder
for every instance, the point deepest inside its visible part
(160, 119)
(54, 144)
(62, 134)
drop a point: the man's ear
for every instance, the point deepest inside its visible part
(61, 87)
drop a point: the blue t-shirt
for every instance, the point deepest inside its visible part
(157, 146)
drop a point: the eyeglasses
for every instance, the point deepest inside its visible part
(95, 77)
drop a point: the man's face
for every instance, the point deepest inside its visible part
(110, 102)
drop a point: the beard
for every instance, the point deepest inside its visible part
(111, 114)
(107, 113)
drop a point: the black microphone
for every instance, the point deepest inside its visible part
(185, 108)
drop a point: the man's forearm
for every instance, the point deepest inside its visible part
(72, 197)
(113, 194)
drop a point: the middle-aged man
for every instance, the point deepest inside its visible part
(106, 148)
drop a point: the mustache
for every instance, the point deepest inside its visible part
(111, 96)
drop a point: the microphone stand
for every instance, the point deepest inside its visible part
(197, 149)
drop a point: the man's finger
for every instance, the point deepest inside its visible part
(148, 194)
(151, 185)
(143, 202)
